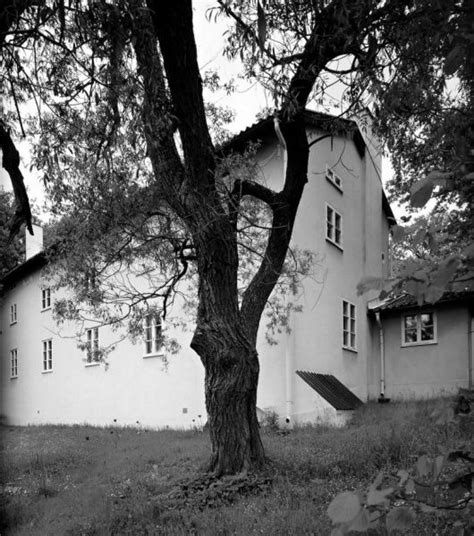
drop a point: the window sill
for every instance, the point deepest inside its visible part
(95, 364)
(338, 188)
(419, 343)
(13, 323)
(157, 354)
(46, 309)
(352, 350)
(334, 244)
(13, 377)
(46, 371)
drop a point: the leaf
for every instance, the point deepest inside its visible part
(421, 192)
(398, 233)
(438, 466)
(446, 272)
(378, 480)
(410, 487)
(426, 508)
(403, 475)
(423, 466)
(369, 282)
(361, 522)
(400, 519)
(375, 496)
(454, 60)
(344, 507)
(262, 26)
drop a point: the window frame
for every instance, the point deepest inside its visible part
(92, 347)
(47, 355)
(332, 229)
(45, 299)
(13, 363)
(153, 335)
(334, 178)
(13, 314)
(351, 327)
(418, 315)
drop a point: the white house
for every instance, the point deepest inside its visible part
(327, 364)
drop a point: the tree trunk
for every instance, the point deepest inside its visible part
(232, 369)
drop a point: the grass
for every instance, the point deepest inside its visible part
(110, 481)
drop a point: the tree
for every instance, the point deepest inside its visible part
(12, 250)
(126, 136)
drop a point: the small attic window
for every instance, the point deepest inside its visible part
(333, 178)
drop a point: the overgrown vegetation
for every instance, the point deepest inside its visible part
(90, 481)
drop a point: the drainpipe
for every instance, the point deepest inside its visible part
(382, 358)
(289, 349)
(289, 371)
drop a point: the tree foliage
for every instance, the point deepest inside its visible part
(12, 250)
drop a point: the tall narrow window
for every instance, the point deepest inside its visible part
(333, 226)
(153, 334)
(14, 363)
(93, 355)
(348, 325)
(46, 298)
(47, 355)
(418, 328)
(13, 313)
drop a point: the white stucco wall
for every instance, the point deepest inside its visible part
(315, 343)
(132, 388)
(424, 370)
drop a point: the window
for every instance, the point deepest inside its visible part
(348, 325)
(333, 226)
(45, 298)
(333, 178)
(153, 334)
(13, 313)
(418, 328)
(47, 355)
(14, 363)
(93, 355)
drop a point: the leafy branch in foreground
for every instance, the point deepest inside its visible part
(438, 485)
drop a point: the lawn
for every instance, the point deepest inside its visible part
(80, 480)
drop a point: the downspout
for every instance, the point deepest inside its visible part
(289, 353)
(382, 358)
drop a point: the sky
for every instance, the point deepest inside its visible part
(248, 99)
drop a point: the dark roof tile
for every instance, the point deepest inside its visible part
(331, 389)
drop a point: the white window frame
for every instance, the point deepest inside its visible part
(418, 316)
(47, 355)
(13, 314)
(45, 299)
(333, 178)
(349, 326)
(333, 230)
(92, 349)
(153, 335)
(14, 363)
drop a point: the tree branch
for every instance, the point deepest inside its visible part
(11, 163)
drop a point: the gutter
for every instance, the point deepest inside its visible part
(289, 349)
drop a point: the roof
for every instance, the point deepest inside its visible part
(23, 270)
(407, 301)
(331, 389)
(265, 128)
